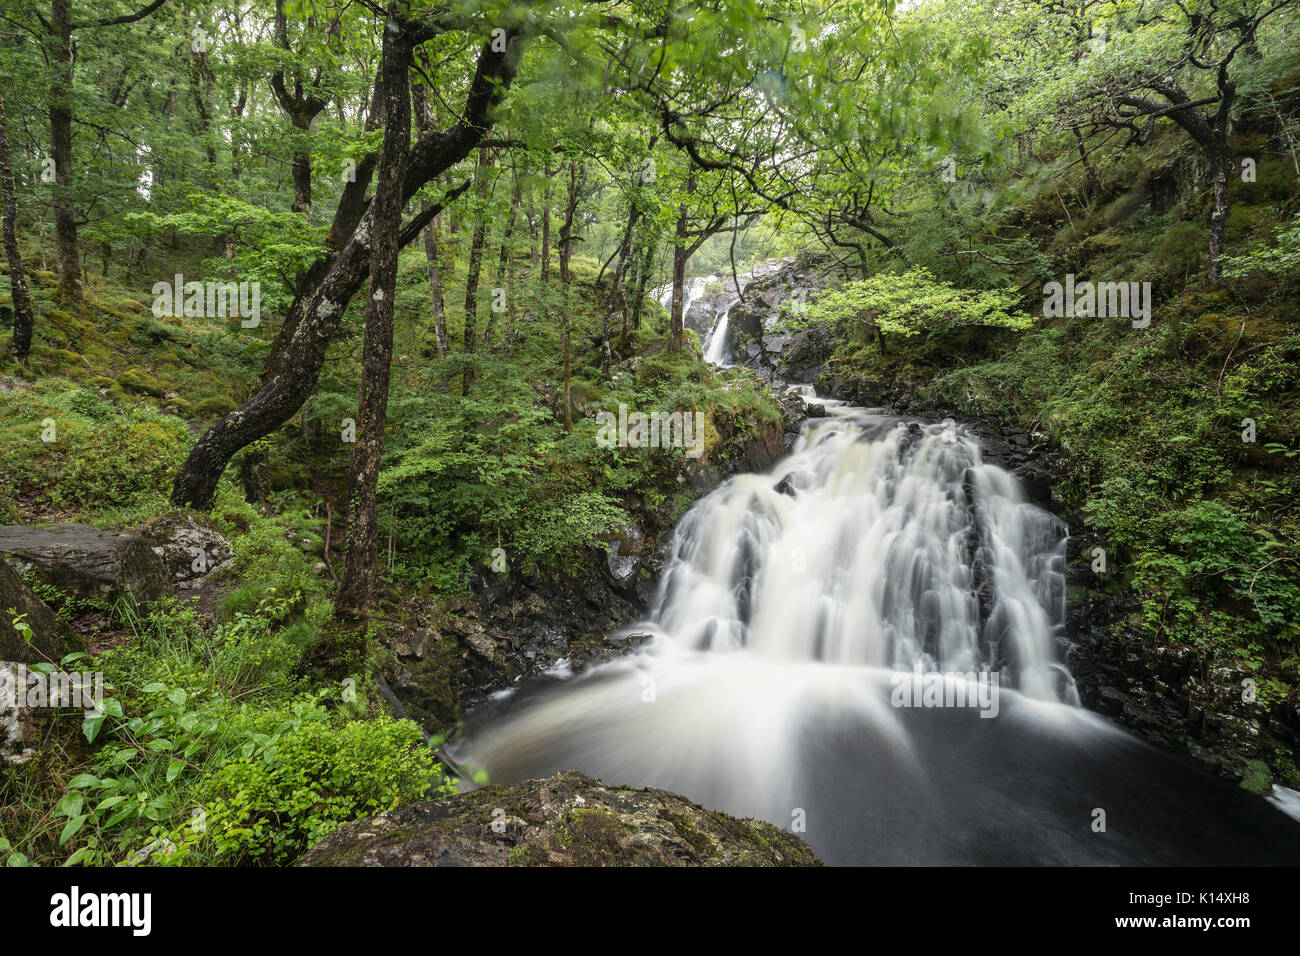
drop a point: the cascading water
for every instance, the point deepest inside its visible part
(795, 609)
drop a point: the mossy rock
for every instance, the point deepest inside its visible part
(137, 379)
(180, 404)
(215, 407)
(130, 305)
(67, 357)
(569, 819)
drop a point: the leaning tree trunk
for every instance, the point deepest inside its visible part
(65, 217)
(315, 316)
(361, 566)
(22, 301)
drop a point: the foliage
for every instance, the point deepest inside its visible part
(915, 302)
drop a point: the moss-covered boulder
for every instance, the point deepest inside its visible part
(215, 407)
(137, 379)
(569, 819)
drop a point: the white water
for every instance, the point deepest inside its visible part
(715, 349)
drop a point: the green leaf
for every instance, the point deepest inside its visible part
(72, 827)
(70, 805)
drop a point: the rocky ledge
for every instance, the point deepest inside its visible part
(568, 819)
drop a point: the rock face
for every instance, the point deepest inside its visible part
(568, 819)
(785, 356)
(86, 562)
(1170, 693)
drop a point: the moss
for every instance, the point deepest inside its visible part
(525, 855)
(592, 837)
(215, 406)
(1258, 778)
(138, 380)
(687, 831)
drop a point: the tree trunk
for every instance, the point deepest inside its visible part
(546, 228)
(435, 283)
(642, 280)
(505, 277)
(532, 231)
(65, 217)
(301, 169)
(22, 302)
(566, 231)
(1218, 214)
(475, 267)
(679, 287)
(360, 570)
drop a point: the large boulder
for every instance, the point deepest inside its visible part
(87, 562)
(568, 819)
(190, 548)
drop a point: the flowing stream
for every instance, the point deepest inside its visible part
(866, 645)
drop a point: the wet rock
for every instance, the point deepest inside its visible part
(87, 562)
(623, 555)
(569, 819)
(1169, 694)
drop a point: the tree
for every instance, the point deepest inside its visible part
(59, 29)
(22, 303)
(385, 213)
(1175, 63)
(329, 286)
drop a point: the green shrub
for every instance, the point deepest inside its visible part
(270, 804)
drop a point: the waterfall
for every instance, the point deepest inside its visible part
(715, 349)
(863, 548)
(826, 643)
